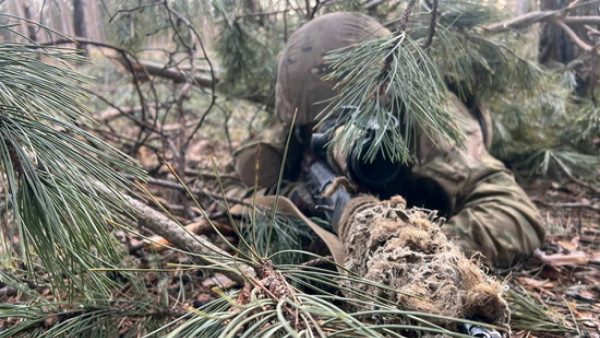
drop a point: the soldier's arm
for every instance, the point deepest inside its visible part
(486, 208)
(495, 217)
(488, 211)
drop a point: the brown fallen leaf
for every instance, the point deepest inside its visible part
(542, 286)
(571, 245)
(219, 280)
(536, 283)
(574, 258)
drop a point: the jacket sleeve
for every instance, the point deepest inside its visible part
(487, 210)
(495, 217)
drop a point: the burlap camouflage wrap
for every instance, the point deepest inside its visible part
(487, 211)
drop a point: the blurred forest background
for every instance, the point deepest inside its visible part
(127, 113)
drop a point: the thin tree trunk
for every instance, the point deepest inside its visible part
(18, 11)
(31, 31)
(67, 17)
(79, 24)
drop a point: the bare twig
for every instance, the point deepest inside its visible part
(314, 10)
(177, 186)
(582, 44)
(259, 14)
(406, 16)
(124, 112)
(127, 57)
(170, 73)
(431, 25)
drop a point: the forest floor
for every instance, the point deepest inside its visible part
(561, 283)
(558, 289)
(565, 274)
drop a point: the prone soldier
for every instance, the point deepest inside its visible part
(487, 211)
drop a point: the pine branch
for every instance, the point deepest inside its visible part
(391, 87)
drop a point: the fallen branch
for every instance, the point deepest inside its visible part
(201, 248)
(572, 178)
(566, 205)
(202, 227)
(182, 239)
(171, 73)
(520, 21)
(141, 67)
(575, 258)
(112, 113)
(582, 44)
(542, 16)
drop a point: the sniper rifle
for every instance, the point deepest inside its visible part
(380, 171)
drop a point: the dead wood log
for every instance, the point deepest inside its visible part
(205, 251)
(201, 227)
(177, 75)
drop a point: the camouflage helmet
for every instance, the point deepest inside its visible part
(301, 65)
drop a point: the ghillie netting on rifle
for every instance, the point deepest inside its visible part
(406, 249)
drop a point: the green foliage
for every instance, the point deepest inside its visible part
(466, 14)
(127, 28)
(528, 313)
(130, 24)
(284, 242)
(392, 86)
(533, 105)
(247, 47)
(61, 182)
(316, 314)
(81, 319)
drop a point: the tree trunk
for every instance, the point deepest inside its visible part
(79, 24)
(95, 28)
(17, 10)
(555, 45)
(31, 29)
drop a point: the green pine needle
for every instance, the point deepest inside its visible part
(54, 170)
(392, 87)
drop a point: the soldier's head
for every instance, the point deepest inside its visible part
(301, 66)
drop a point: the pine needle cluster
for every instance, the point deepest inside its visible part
(59, 182)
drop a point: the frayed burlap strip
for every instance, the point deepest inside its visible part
(406, 249)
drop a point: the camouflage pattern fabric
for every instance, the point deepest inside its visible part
(487, 211)
(299, 86)
(260, 159)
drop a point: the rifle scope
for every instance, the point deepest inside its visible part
(368, 174)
